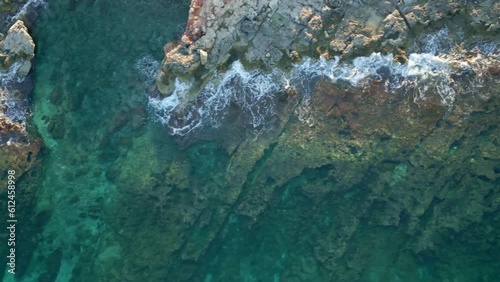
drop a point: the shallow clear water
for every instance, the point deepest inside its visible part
(120, 200)
(90, 108)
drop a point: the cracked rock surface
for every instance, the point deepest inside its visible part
(268, 33)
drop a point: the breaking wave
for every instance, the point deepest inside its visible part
(147, 67)
(253, 94)
(13, 108)
(10, 76)
(31, 4)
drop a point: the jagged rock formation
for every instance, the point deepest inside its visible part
(16, 51)
(18, 42)
(362, 165)
(17, 46)
(18, 151)
(270, 33)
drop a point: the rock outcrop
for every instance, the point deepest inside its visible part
(18, 42)
(277, 32)
(17, 150)
(361, 162)
(17, 46)
(16, 51)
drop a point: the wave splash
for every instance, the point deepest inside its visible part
(31, 4)
(147, 67)
(253, 94)
(15, 109)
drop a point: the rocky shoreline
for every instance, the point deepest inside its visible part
(19, 144)
(268, 34)
(18, 149)
(400, 146)
(291, 43)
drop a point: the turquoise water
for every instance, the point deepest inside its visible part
(120, 200)
(90, 108)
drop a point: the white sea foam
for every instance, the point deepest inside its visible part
(421, 72)
(254, 93)
(10, 76)
(163, 108)
(488, 48)
(251, 92)
(35, 4)
(15, 109)
(147, 67)
(438, 42)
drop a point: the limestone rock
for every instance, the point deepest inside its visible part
(417, 15)
(18, 41)
(181, 60)
(24, 69)
(486, 15)
(316, 23)
(203, 57)
(394, 29)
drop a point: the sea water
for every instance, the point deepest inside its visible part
(119, 200)
(94, 62)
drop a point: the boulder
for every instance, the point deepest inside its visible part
(24, 69)
(18, 41)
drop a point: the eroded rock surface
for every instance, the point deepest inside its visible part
(17, 49)
(384, 159)
(271, 33)
(18, 42)
(18, 151)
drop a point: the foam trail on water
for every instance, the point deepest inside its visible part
(163, 108)
(252, 92)
(438, 42)
(420, 72)
(166, 105)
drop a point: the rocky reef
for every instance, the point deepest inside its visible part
(276, 33)
(384, 129)
(17, 50)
